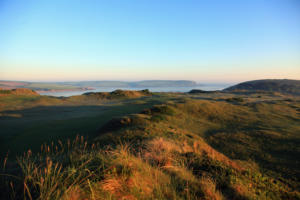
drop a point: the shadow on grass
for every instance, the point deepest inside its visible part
(39, 125)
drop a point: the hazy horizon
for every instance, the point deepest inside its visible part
(117, 80)
(207, 41)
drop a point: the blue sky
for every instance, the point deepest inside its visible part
(205, 41)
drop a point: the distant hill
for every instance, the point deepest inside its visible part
(163, 83)
(141, 84)
(284, 86)
(18, 91)
(120, 84)
(38, 86)
(88, 85)
(12, 84)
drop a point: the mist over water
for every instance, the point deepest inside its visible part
(207, 87)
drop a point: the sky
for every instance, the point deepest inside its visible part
(200, 40)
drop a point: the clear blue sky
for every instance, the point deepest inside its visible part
(205, 41)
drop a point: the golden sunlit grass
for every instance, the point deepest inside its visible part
(78, 170)
(209, 189)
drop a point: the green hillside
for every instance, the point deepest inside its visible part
(284, 86)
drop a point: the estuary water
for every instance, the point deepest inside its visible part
(207, 87)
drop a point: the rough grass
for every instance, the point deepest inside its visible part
(183, 149)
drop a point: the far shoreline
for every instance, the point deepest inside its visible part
(64, 90)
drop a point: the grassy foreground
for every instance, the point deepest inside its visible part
(203, 146)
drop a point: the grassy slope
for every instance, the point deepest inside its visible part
(165, 153)
(284, 86)
(265, 132)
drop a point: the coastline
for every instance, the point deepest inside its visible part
(64, 90)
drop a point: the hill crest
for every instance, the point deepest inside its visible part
(284, 86)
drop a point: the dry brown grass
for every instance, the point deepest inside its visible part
(136, 180)
(114, 185)
(160, 151)
(75, 193)
(242, 190)
(209, 188)
(201, 146)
